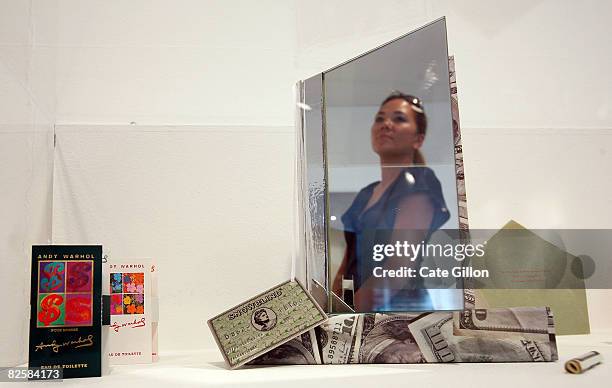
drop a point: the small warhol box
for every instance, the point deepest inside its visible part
(65, 315)
(132, 333)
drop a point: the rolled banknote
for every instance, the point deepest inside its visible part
(583, 363)
(302, 350)
(434, 336)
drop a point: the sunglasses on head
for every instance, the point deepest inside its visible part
(412, 100)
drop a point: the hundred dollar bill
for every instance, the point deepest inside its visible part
(302, 350)
(369, 338)
(434, 336)
(535, 323)
(469, 296)
(386, 339)
(340, 337)
(264, 322)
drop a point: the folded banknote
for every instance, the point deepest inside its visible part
(493, 335)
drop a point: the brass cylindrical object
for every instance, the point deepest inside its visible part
(585, 362)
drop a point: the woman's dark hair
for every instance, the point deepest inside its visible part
(419, 114)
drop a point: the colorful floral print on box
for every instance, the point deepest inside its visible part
(116, 285)
(133, 303)
(133, 283)
(127, 293)
(116, 304)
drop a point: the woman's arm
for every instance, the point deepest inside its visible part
(337, 284)
(412, 224)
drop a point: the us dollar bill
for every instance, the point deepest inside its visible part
(265, 322)
(339, 338)
(386, 339)
(369, 338)
(436, 340)
(469, 298)
(535, 323)
(303, 350)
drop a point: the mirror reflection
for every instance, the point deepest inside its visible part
(390, 168)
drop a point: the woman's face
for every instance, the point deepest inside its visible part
(394, 131)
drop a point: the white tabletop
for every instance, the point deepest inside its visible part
(206, 368)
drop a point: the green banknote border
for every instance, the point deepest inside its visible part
(324, 317)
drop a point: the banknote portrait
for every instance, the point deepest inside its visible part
(264, 319)
(387, 340)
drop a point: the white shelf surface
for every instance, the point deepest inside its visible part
(206, 369)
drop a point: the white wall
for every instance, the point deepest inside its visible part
(211, 206)
(203, 183)
(27, 100)
(211, 202)
(176, 62)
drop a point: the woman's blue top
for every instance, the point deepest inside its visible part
(363, 229)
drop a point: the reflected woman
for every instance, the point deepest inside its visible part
(407, 202)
